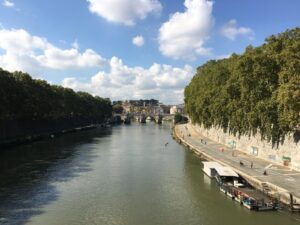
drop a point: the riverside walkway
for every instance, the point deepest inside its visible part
(279, 182)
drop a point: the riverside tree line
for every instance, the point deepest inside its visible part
(258, 91)
(29, 101)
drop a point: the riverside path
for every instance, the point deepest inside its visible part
(279, 182)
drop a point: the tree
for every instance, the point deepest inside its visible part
(118, 109)
(178, 118)
(256, 91)
(23, 98)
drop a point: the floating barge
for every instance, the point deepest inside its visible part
(236, 188)
(224, 175)
(250, 198)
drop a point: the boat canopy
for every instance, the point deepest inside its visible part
(225, 171)
(222, 171)
(212, 165)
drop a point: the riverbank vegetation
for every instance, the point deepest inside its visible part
(28, 105)
(258, 91)
(179, 118)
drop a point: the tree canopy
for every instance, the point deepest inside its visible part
(258, 91)
(179, 118)
(117, 108)
(24, 98)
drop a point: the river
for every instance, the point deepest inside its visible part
(120, 176)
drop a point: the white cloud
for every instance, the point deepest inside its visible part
(75, 44)
(163, 82)
(184, 35)
(33, 54)
(8, 3)
(22, 62)
(230, 30)
(55, 58)
(138, 41)
(21, 42)
(124, 11)
(73, 83)
(19, 50)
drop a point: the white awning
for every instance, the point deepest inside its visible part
(212, 165)
(225, 171)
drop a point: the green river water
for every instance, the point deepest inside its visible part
(120, 176)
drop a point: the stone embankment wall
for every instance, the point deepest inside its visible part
(287, 154)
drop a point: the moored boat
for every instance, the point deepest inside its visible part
(250, 203)
(237, 188)
(227, 190)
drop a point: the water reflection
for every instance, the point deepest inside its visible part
(28, 173)
(124, 177)
(207, 181)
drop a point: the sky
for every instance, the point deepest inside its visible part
(133, 49)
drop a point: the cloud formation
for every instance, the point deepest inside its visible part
(230, 30)
(138, 41)
(8, 3)
(184, 34)
(126, 12)
(33, 54)
(163, 82)
(36, 55)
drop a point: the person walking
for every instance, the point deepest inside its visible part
(251, 165)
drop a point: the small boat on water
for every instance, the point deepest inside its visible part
(254, 200)
(253, 204)
(249, 203)
(267, 207)
(237, 188)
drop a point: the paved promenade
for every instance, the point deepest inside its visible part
(281, 181)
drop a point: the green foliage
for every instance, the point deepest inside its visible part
(256, 91)
(23, 98)
(178, 118)
(117, 108)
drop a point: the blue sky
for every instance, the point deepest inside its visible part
(88, 44)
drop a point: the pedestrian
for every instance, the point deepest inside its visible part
(251, 165)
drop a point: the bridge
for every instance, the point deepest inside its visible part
(142, 117)
(157, 117)
(121, 118)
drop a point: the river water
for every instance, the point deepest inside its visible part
(120, 176)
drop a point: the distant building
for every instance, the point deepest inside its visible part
(177, 109)
(158, 110)
(126, 106)
(166, 109)
(151, 106)
(144, 102)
